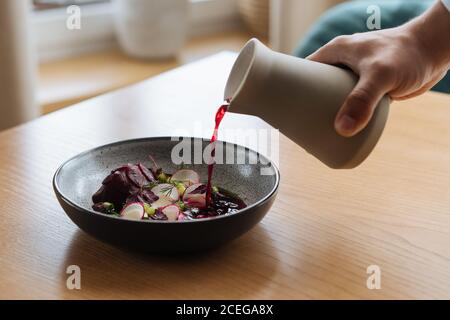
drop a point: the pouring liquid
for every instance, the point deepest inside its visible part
(219, 116)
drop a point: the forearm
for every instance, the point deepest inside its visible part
(432, 31)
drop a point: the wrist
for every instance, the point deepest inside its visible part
(430, 32)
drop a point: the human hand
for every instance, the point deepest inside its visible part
(402, 62)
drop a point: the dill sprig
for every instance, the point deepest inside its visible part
(167, 191)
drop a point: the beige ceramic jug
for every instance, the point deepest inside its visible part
(301, 98)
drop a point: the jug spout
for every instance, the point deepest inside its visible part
(301, 98)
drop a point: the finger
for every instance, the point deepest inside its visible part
(422, 90)
(332, 53)
(359, 106)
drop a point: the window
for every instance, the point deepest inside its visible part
(52, 4)
(55, 41)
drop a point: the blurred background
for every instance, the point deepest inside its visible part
(54, 54)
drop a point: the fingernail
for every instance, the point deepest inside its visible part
(345, 124)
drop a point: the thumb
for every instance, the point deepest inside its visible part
(359, 106)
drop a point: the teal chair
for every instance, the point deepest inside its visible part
(351, 17)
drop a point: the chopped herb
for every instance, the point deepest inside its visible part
(151, 185)
(180, 187)
(167, 191)
(149, 209)
(162, 177)
(181, 205)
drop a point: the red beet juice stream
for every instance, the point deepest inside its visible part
(219, 116)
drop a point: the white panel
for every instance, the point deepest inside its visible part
(291, 19)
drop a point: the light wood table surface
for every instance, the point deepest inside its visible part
(325, 228)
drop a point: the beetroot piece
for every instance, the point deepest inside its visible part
(124, 183)
(135, 197)
(148, 196)
(158, 216)
(136, 176)
(146, 172)
(199, 190)
(116, 188)
(142, 196)
(99, 195)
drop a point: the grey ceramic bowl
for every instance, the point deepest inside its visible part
(78, 178)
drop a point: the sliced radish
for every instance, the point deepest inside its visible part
(171, 212)
(166, 190)
(133, 211)
(187, 177)
(197, 201)
(181, 217)
(161, 202)
(195, 195)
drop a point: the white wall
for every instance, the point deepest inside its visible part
(291, 19)
(17, 65)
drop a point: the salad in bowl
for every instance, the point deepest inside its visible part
(136, 192)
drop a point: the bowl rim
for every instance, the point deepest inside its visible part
(74, 205)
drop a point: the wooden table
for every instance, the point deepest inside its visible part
(325, 228)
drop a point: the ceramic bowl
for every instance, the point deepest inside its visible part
(78, 178)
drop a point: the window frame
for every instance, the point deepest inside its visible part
(54, 41)
(54, 4)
